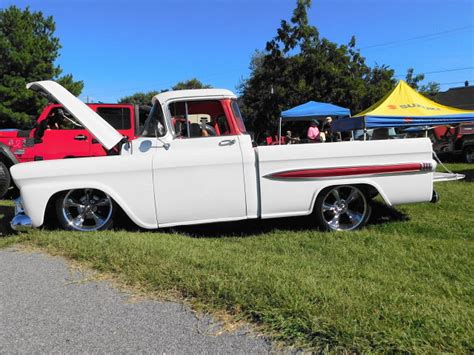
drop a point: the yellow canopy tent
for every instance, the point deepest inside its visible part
(404, 107)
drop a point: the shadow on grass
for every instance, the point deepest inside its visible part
(381, 213)
(469, 175)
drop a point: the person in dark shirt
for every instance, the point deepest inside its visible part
(53, 121)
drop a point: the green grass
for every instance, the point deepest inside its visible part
(400, 285)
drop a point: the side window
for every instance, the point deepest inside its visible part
(57, 119)
(155, 123)
(117, 117)
(143, 112)
(200, 118)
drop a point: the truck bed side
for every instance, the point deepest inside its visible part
(291, 176)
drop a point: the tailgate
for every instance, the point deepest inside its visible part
(437, 177)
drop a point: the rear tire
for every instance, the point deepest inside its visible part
(342, 208)
(85, 210)
(5, 179)
(469, 154)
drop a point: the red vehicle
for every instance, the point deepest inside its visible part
(457, 140)
(56, 135)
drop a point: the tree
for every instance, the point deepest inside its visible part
(139, 98)
(28, 49)
(144, 98)
(430, 89)
(190, 84)
(298, 66)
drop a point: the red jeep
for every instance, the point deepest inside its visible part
(57, 135)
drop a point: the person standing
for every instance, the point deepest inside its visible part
(326, 129)
(313, 132)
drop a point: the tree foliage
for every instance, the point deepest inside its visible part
(430, 89)
(298, 65)
(190, 84)
(139, 98)
(144, 98)
(28, 49)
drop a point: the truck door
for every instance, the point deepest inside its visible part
(60, 136)
(119, 117)
(199, 177)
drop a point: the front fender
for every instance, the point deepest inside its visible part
(127, 179)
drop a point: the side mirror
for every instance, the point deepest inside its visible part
(127, 146)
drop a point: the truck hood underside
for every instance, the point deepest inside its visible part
(95, 124)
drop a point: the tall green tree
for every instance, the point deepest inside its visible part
(144, 98)
(298, 65)
(28, 49)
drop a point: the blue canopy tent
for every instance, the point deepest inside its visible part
(312, 110)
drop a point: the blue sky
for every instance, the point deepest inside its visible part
(120, 47)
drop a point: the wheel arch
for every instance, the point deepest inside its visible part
(370, 189)
(49, 213)
(51, 218)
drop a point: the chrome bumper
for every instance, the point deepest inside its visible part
(21, 222)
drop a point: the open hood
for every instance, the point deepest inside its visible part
(96, 125)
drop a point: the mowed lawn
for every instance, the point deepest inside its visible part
(403, 283)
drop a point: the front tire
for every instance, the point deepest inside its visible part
(342, 208)
(85, 210)
(5, 179)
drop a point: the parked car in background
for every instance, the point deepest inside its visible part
(58, 135)
(195, 163)
(454, 140)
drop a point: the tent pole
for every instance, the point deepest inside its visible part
(365, 131)
(279, 132)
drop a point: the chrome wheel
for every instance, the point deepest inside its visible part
(85, 210)
(343, 208)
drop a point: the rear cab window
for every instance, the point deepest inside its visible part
(199, 118)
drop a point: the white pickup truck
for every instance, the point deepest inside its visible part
(194, 163)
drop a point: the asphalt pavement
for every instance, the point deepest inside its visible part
(47, 307)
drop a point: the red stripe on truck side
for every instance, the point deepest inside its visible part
(348, 171)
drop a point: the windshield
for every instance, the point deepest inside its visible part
(155, 123)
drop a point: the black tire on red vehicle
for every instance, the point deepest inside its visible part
(5, 179)
(469, 154)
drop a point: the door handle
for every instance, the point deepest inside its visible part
(226, 142)
(80, 137)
